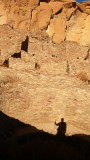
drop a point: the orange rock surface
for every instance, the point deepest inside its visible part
(45, 63)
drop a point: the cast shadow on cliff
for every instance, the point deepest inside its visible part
(10, 127)
(23, 141)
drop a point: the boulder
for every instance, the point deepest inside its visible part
(41, 17)
(75, 27)
(57, 28)
(56, 6)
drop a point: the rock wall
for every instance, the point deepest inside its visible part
(62, 20)
(45, 63)
(38, 48)
(10, 42)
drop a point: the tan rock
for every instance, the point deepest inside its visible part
(10, 42)
(33, 4)
(57, 68)
(56, 6)
(56, 29)
(85, 7)
(80, 69)
(41, 99)
(20, 17)
(19, 12)
(21, 3)
(57, 88)
(42, 81)
(59, 31)
(70, 9)
(85, 39)
(75, 27)
(43, 50)
(41, 17)
(54, 15)
(78, 28)
(2, 14)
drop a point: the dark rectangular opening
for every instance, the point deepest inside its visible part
(25, 45)
(17, 55)
(45, 1)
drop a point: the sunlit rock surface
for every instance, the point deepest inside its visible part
(45, 63)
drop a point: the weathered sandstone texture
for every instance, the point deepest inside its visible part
(45, 63)
(62, 20)
(10, 42)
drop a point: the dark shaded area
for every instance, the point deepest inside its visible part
(17, 55)
(45, 1)
(87, 56)
(88, 81)
(25, 45)
(54, 56)
(9, 126)
(37, 66)
(38, 144)
(59, 11)
(6, 63)
(74, 4)
(80, 9)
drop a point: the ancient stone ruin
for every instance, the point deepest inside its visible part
(45, 63)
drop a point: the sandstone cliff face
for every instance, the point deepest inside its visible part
(2, 14)
(45, 63)
(62, 20)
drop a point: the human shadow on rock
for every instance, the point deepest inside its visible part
(37, 144)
